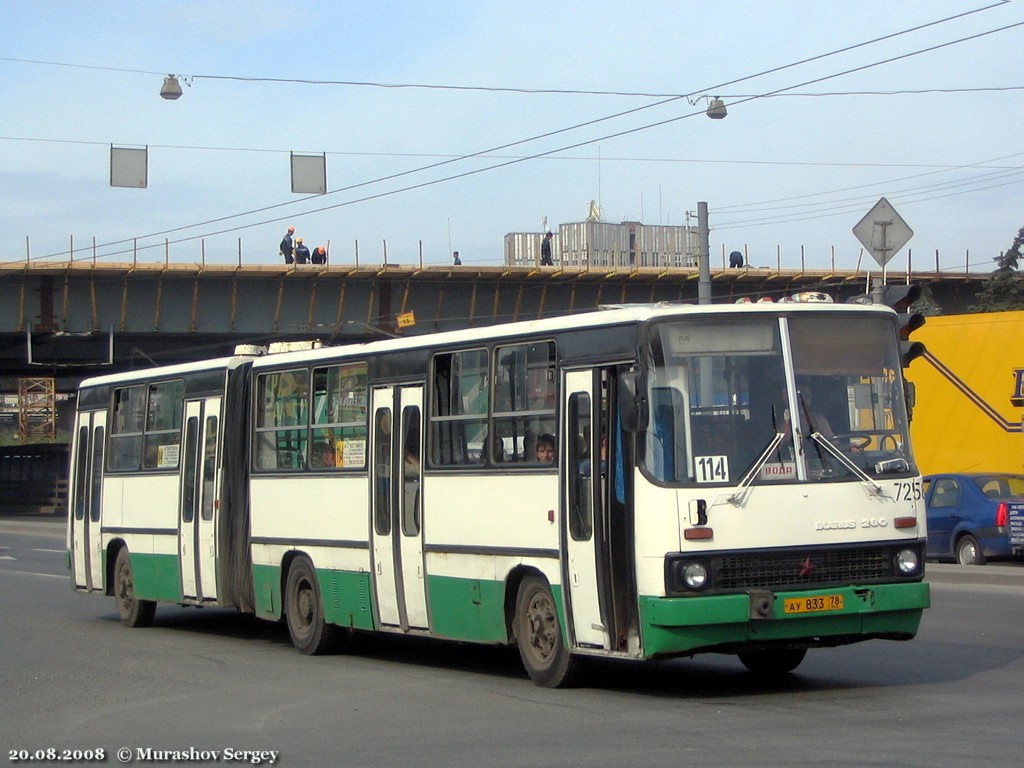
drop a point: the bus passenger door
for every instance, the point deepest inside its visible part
(198, 504)
(584, 471)
(396, 504)
(86, 498)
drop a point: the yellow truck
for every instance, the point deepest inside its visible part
(970, 394)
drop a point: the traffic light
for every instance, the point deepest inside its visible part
(900, 298)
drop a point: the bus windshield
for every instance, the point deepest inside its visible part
(788, 399)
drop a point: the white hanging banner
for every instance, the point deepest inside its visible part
(309, 174)
(129, 167)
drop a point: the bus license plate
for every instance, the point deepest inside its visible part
(813, 604)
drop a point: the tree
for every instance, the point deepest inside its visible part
(1004, 289)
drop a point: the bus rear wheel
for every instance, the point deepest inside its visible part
(133, 612)
(773, 663)
(539, 636)
(304, 610)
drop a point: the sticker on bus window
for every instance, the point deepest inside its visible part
(785, 470)
(167, 456)
(711, 469)
(352, 453)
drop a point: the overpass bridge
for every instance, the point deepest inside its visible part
(62, 322)
(78, 318)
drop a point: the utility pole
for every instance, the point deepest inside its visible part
(703, 255)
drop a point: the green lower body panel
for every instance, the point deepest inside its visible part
(472, 610)
(266, 584)
(157, 577)
(680, 625)
(345, 594)
(467, 609)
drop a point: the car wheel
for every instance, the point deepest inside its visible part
(968, 551)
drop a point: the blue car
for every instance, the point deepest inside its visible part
(973, 517)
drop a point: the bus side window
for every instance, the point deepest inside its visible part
(339, 429)
(126, 428)
(459, 404)
(524, 401)
(411, 471)
(282, 420)
(581, 522)
(382, 459)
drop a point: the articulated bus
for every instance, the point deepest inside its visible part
(632, 482)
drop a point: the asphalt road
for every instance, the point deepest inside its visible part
(73, 678)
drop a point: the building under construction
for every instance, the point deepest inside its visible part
(596, 243)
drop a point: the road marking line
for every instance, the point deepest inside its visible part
(29, 573)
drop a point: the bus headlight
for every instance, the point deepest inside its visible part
(907, 562)
(695, 576)
(685, 574)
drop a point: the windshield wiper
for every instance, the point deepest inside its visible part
(738, 497)
(843, 459)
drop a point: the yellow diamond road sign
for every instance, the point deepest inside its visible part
(883, 232)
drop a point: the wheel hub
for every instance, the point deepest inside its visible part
(542, 627)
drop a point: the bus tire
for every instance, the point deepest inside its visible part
(538, 634)
(968, 551)
(133, 612)
(773, 663)
(304, 610)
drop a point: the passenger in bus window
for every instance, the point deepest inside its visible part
(585, 463)
(412, 455)
(546, 449)
(497, 449)
(412, 464)
(324, 456)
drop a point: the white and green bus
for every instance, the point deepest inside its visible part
(724, 478)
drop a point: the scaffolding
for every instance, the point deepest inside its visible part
(37, 409)
(600, 244)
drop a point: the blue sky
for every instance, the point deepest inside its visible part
(781, 175)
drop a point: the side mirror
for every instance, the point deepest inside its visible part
(632, 402)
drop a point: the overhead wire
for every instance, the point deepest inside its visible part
(589, 141)
(520, 90)
(938, 167)
(535, 138)
(993, 175)
(778, 214)
(943, 169)
(848, 209)
(501, 89)
(549, 134)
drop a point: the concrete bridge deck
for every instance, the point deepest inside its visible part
(71, 312)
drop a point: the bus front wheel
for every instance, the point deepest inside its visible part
(133, 612)
(539, 636)
(304, 610)
(772, 663)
